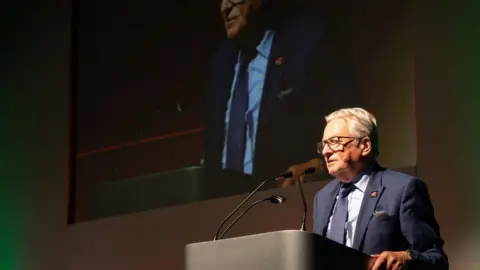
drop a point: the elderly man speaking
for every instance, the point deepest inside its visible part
(381, 212)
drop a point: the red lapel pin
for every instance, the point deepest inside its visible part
(279, 61)
(373, 194)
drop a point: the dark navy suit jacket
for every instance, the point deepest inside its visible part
(409, 223)
(309, 74)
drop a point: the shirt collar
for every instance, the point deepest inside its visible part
(264, 47)
(361, 180)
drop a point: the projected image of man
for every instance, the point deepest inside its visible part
(278, 69)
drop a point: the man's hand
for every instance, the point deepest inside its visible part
(390, 260)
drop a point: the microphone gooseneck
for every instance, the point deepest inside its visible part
(283, 175)
(275, 199)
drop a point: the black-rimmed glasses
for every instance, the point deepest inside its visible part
(336, 143)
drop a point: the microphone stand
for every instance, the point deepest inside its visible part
(310, 170)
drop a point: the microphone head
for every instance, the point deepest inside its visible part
(287, 174)
(309, 170)
(277, 199)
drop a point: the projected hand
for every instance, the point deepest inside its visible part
(300, 168)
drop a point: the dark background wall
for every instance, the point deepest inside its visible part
(34, 114)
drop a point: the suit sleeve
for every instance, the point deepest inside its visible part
(328, 80)
(420, 227)
(209, 126)
(332, 70)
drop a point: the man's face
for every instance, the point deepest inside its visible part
(235, 14)
(344, 151)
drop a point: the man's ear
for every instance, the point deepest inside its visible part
(366, 146)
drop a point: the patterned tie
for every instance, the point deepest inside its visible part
(340, 215)
(237, 124)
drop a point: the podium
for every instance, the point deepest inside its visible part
(279, 250)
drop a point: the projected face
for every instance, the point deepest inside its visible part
(343, 151)
(235, 15)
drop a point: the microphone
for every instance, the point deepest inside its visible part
(283, 175)
(300, 186)
(276, 199)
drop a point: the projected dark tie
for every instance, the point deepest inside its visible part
(340, 215)
(237, 124)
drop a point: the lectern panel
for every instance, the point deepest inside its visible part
(281, 250)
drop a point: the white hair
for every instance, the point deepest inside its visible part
(360, 122)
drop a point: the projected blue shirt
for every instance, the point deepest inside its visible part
(257, 69)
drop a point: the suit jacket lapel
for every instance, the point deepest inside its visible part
(372, 195)
(222, 83)
(273, 78)
(327, 209)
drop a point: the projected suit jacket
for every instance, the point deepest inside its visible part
(309, 74)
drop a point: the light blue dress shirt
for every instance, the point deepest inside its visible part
(257, 70)
(354, 199)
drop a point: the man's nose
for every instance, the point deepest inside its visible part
(326, 151)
